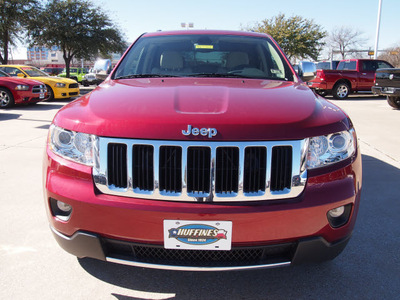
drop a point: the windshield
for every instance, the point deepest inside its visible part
(3, 74)
(204, 56)
(33, 72)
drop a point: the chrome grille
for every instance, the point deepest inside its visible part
(200, 171)
(39, 89)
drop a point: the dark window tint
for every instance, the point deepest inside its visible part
(347, 65)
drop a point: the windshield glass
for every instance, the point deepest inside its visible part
(3, 74)
(33, 72)
(204, 56)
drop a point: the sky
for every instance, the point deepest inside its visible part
(135, 17)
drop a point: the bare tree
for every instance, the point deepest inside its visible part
(392, 55)
(345, 39)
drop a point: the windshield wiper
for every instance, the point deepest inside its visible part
(144, 76)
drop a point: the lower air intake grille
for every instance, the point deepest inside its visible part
(209, 258)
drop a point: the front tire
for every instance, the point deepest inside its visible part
(394, 102)
(50, 93)
(6, 98)
(341, 91)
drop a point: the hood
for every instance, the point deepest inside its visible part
(238, 109)
(53, 80)
(18, 80)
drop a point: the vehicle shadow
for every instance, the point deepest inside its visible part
(42, 106)
(367, 269)
(7, 116)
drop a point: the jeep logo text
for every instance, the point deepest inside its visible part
(210, 132)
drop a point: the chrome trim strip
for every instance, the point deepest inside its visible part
(189, 268)
(299, 176)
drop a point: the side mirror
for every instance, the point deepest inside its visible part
(21, 75)
(307, 70)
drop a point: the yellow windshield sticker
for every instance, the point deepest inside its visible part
(204, 46)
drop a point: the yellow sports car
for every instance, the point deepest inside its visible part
(57, 88)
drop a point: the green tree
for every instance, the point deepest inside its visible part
(298, 37)
(78, 28)
(14, 15)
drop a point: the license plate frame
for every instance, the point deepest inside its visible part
(197, 235)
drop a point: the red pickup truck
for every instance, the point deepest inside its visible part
(203, 150)
(352, 75)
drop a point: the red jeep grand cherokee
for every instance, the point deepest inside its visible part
(202, 150)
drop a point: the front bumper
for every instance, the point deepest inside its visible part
(61, 93)
(22, 97)
(299, 226)
(315, 249)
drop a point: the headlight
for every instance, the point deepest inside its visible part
(72, 145)
(22, 87)
(59, 84)
(328, 149)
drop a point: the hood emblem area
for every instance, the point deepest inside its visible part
(209, 132)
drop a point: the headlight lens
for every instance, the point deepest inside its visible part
(59, 84)
(72, 145)
(22, 87)
(328, 149)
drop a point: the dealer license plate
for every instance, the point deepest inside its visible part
(41, 96)
(197, 235)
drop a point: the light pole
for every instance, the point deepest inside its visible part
(377, 30)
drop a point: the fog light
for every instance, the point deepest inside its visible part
(339, 216)
(60, 210)
(64, 206)
(336, 212)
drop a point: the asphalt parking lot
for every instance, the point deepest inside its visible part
(33, 266)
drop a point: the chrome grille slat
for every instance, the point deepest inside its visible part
(39, 89)
(201, 170)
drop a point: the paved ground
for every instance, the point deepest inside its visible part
(33, 266)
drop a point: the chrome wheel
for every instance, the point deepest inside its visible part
(341, 91)
(6, 98)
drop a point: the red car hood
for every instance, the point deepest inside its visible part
(17, 80)
(238, 109)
